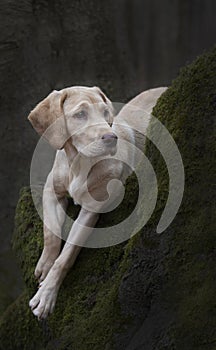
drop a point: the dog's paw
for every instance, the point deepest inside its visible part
(44, 264)
(43, 302)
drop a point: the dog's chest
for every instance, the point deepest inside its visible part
(89, 186)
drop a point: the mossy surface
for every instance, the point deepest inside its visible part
(88, 295)
(188, 110)
(154, 292)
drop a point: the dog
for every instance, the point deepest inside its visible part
(80, 123)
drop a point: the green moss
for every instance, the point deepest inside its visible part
(187, 109)
(27, 238)
(17, 325)
(175, 271)
(89, 293)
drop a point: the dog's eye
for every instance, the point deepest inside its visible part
(106, 113)
(81, 115)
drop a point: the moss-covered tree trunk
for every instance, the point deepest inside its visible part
(154, 292)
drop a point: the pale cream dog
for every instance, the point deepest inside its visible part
(79, 122)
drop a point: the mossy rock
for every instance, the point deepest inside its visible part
(154, 292)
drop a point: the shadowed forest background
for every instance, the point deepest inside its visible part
(123, 46)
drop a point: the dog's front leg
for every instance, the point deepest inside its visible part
(44, 300)
(54, 206)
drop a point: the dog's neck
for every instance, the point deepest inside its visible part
(80, 166)
(70, 151)
(78, 163)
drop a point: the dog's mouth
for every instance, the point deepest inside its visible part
(110, 147)
(112, 151)
(96, 149)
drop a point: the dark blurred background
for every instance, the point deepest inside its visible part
(123, 46)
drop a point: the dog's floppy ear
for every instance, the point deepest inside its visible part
(48, 120)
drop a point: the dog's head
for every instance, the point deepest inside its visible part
(81, 114)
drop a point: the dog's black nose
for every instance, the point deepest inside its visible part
(110, 139)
